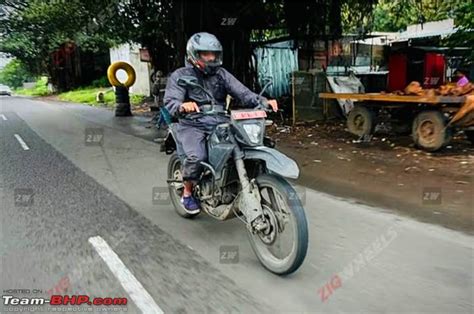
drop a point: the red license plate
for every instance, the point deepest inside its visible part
(240, 115)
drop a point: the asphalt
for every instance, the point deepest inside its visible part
(66, 189)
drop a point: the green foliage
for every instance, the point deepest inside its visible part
(32, 29)
(102, 82)
(268, 34)
(357, 16)
(464, 20)
(14, 74)
(136, 99)
(395, 15)
(40, 89)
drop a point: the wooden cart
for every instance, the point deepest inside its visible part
(426, 117)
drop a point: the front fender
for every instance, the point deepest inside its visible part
(275, 161)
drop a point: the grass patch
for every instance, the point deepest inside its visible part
(40, 89)
(136, 99)
(88, 95)
(84, 95)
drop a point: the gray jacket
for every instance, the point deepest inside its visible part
(220, 85)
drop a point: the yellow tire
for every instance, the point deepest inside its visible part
(120, 65)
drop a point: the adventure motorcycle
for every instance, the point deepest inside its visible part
(244, 178)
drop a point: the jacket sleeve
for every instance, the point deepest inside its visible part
(238, 90)
(174, 94)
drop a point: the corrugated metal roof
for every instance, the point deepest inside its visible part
(441, 28)
(425, 35)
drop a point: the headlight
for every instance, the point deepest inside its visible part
(253, 132)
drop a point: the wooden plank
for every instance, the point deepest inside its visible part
(395, 98)
(293, 106)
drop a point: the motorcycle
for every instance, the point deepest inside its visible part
(244, 178)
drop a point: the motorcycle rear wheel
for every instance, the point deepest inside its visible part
(175, 188)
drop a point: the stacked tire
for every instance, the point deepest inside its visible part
(122, 97)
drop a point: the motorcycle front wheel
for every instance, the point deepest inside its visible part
(282, 246)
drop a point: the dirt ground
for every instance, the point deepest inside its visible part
(388, 171)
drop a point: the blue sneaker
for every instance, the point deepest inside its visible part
(191, 205)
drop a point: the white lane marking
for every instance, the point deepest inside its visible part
(3, 117)
(134, 288)
(22, 142)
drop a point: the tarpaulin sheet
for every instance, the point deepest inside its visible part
(345, 84)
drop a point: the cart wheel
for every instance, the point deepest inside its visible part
(429, 130)
(470, 135)
(361, 121)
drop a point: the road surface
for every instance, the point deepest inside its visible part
(73, 177)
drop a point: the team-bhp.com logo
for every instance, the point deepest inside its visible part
(62, 300)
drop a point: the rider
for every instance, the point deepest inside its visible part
(203, 61)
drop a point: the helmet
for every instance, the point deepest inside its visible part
(204, 42)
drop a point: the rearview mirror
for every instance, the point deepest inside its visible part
(267, 80)
(186, 81)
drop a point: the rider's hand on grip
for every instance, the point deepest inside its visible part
(189, 106)
(268, 104)
(273, 103)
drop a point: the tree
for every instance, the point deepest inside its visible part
(396, 15)
(464, 36)
(357, 16)
(14, 74)
(35, 31)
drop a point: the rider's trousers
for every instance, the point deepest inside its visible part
(192, 141)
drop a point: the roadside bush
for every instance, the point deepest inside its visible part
(102, 82)
(14, 74)
(40, 89)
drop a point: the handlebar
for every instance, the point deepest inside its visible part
(263, 105)
(195, 115)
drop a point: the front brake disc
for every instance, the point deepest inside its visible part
(269, 234)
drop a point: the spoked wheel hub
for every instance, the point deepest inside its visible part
(269, 234)
(177, 176)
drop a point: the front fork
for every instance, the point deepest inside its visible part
(249, 201)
